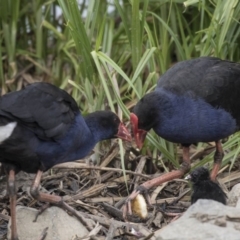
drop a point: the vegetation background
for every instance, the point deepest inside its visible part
(109, 53)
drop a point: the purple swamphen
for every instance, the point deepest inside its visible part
(196, 100)
(41, 126)
(204, 187)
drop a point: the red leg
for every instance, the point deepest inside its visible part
(13, 200)
(159, 180)
(218, 156)
(53, 199)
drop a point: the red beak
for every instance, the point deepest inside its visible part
(139, 134)
(123, 133)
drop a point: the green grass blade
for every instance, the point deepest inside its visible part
(135, 33)
(82, 42)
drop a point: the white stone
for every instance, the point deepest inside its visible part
(206, 219)
(61, 226)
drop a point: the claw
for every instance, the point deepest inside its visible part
(127, 207)
(41, 210)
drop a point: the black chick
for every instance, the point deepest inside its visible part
(204, 187)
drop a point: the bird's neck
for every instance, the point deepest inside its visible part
(82, 138)
(98, 133)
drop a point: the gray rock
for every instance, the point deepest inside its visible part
(234, 196)
(61, 226)
(206, 219)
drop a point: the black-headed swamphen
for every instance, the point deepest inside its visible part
(196, 100)
(204, 187)
(41, 126)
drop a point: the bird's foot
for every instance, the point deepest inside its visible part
(71, 210)
(41, 210)
(58, 202)
(127, 208)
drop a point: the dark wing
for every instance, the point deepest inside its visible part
(42, 108)
(212, 79)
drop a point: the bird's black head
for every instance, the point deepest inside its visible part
(144, 117)
(146, 112)
(107, 125)
(199, 174)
